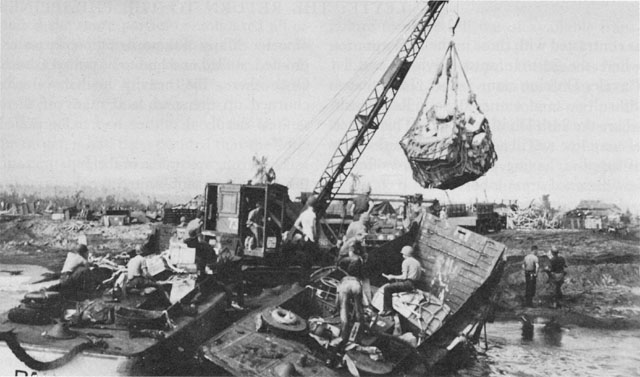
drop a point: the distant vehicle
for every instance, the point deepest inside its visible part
(480, 217)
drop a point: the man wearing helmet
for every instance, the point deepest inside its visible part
(405, 282)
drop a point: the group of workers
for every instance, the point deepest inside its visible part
(555, 270)
(351, 297)
(77, 276)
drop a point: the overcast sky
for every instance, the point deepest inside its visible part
(163, 96)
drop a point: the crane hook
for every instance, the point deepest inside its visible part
(455, 24)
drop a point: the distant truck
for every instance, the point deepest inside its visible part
(480, 217)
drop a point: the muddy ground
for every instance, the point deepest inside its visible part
(44, 242)
(602, 287)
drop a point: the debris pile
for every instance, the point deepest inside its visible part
(531, 218)
(449, 144)
(40, 232)
(77, 226)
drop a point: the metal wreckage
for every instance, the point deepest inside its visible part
(151, 331)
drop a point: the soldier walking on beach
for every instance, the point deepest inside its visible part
(530, 266)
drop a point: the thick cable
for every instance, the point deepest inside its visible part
(355, 78)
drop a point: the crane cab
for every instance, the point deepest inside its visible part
(246, 219)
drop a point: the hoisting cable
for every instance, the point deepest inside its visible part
(464, 74)
(326, 112)
(360, 72)
(288, 152)
(439, 73)
(390, 48)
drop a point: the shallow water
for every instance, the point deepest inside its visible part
(14, 286)
(551, 351)
(543, 350)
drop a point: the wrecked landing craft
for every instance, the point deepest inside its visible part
(451, 305)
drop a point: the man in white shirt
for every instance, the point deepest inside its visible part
(75, 274)
(405, 282)
(306, 222)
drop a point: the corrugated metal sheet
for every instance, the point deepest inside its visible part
(456, 260)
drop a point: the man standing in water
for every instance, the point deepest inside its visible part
(557, 274)
(530, 266)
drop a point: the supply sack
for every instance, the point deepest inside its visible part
(449, 143)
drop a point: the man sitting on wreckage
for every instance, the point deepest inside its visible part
(137, 274)
(76, 273)
(405, 282)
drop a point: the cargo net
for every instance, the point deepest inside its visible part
(449, 144)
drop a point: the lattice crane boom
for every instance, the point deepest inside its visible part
(370, 116)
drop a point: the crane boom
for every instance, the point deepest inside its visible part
(366, 122)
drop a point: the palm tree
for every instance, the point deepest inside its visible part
(355, 182)
(260, 165)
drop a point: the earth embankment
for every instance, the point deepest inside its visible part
(602, 286)
(44, 242)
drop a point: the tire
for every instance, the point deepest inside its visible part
(29, 316)
(283, 316)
